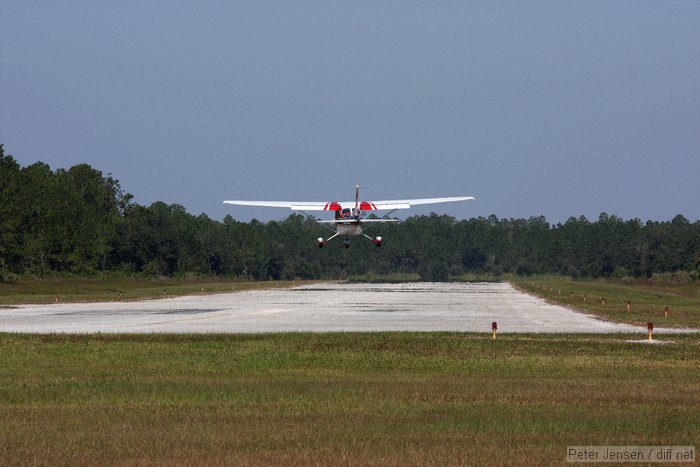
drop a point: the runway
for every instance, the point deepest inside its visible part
(318, 308)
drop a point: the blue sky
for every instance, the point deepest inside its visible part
(560, 108)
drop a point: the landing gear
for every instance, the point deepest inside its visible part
(321, 242)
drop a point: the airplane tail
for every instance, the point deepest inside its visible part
(357, 200)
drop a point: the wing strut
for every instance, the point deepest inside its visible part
(314, 218)
(383, 217)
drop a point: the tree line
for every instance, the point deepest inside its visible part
(79, 221)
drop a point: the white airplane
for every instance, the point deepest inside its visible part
(349, 220)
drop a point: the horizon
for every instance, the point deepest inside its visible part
(402, 215)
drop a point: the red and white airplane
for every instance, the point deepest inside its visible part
(349, 216)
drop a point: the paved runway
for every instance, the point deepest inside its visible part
(331, 307)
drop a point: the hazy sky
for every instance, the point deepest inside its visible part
(560, 108)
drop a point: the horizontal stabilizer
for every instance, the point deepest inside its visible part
(378, 220)
(354, 221)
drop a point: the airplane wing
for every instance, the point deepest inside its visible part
(407, 203)
(293, 205)
(335, 206)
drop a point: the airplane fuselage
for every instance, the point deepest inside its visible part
(349, 229)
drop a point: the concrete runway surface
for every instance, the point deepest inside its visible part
(324, 307)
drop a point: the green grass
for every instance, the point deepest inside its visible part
(385, 278)
(395, 277)
(100, 290)
(647, 301)
(343, 398)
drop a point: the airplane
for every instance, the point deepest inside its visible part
(349, 217)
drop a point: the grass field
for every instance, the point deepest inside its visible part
(647, 301)
(375, 398)
(101, 290)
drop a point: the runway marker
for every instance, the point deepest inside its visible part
(650, 328)
(494, 327)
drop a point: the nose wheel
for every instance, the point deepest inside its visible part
(347, 243)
